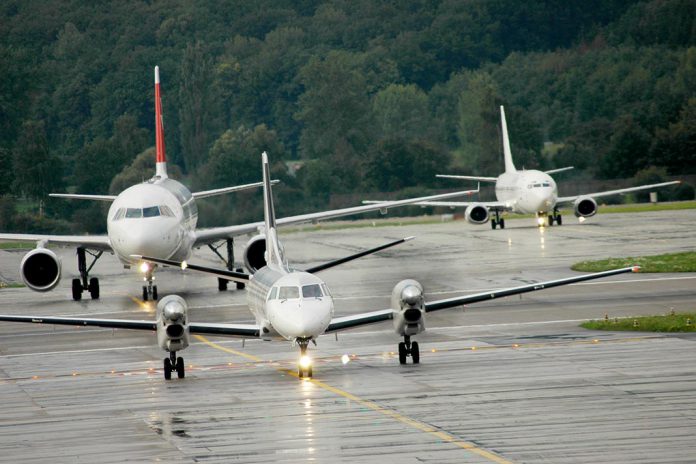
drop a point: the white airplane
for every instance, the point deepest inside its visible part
(293, 305)
(528, 192)
(156, 218)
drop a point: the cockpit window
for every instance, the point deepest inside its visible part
(289, 293)
(166, 211)
(311, 291)
(152, 211)
(326, 290)
(134, 213)
(273, 294)
(119, 214)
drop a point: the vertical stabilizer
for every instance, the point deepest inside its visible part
(161, 160)
(509, 166)
(274, 253)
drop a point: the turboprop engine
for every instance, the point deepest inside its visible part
(585, 207)
(172, 323)
(476, 214)
(409, 307)
(40, 269)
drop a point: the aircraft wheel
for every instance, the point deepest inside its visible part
(240, 285)
(309, 372)
(180, 372)
(145, 295)
(415, 354)
(300, 372)
(551, 218)
(402, 353)
(167, 369)
(493, 224)
(222, 284)
(154, 293)
(76, 290)
(559, 221)
(502, 223)
(94, 288)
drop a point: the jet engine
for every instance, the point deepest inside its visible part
(40, 270)
(585, 207)
(476, 214)
(172, 323)
(409, 307)
(255, 253)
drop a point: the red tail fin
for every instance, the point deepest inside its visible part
(161, 160)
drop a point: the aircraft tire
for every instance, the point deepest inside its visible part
(240, 285)
(415, 353)
(493, 224)
(94, 288)
(559, 221)
(76, 290)
(145, 295)
(167, 369)
(402, 353)
(180, 368)
(502, 223)
(300, 372)
(154, 293)
(222, 284)
(309, 372)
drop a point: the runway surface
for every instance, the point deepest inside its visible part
(509, 381)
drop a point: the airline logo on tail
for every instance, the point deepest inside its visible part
(161, 161)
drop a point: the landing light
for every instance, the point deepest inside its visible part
(581, 219)
(184, 265)
(345, 359)
(305, 361)
(541, 221)
(144, 267)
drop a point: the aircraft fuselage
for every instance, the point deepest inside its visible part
(527, 192)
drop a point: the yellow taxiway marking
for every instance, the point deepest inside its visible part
(416, 424)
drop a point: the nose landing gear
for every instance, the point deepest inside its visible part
(304, 368)
(149, 290)
(408, 348)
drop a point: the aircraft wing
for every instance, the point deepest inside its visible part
(236, 188)
(84, 322)
(94, 242)
(357, 320)
(483, 296)
(79, 196)
(228, 330)
(494, 205)
(476, 178)
(607, 193)
(554, 171)
(205, 236)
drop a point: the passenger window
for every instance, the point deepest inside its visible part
(134, 213)
(289, 293)
(152, 211)
(311, 291)
(273, 294)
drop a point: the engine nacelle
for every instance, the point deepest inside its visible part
(172, 323)
(476, 214)
(255, 253)
(40, 270)
(409, 307)
(585, 207)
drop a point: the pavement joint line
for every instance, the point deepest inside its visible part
(414, 423)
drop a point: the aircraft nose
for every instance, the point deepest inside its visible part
(138, 238)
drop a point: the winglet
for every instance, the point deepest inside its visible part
(161, 160)
(635, 269)
(274, 254)
(509, 166)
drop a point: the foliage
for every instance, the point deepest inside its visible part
(681, 322)
(674, 262)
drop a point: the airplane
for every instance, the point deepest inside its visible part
(294, 305)
(528, 192)
(157, 218)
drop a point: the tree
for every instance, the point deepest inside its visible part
(37, 171)
(401, 111)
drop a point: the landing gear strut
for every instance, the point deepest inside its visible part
(172, 363)
(304, 369)
(498, 221)
(408, 348)
(555, 217)
(149, 290)
(84, 282)
(229, 263)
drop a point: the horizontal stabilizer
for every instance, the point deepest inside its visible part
(83, 197)
(337, 262)
(221, 191)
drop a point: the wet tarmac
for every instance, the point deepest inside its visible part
(514, 380)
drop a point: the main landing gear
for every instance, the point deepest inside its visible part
(229, 263)
(172, 363)
(408, 348)
(84, 283)
(149, 290)
(555, 216)
(304, 368)
(498, 221)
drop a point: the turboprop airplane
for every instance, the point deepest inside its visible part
(528, 192)
(156, 218)
(294, 305)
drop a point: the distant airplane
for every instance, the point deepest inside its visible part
(156, 218)
(528, 192)
(293, 305)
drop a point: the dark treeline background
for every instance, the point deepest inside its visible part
(364, 95)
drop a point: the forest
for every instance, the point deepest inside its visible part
(349, 97)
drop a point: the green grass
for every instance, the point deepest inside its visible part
(684, 322)
(671, 262)
(11, 285)
(645, 207)
(16, 245)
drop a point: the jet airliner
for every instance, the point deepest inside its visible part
(294, 305)
(528, 192)
(157, 218)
